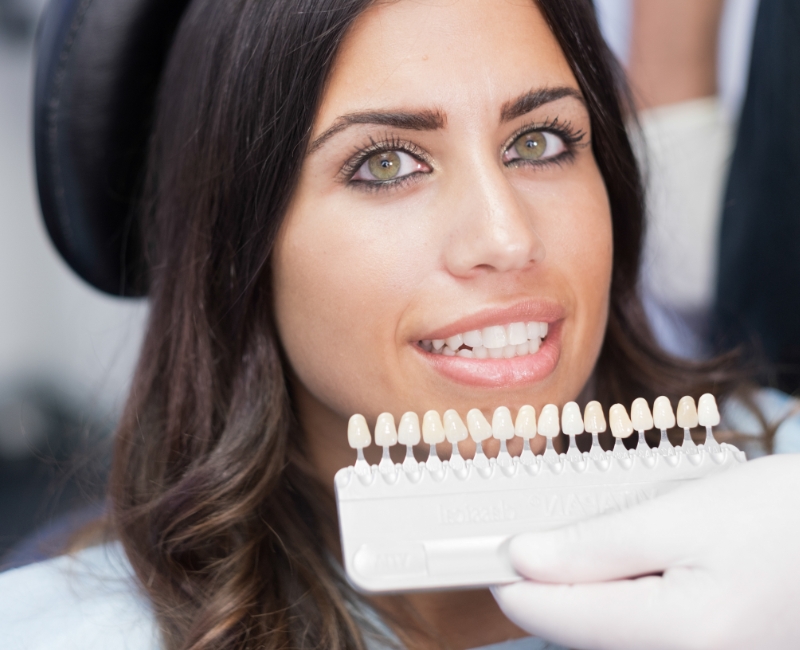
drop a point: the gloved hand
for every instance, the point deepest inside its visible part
(720, 559)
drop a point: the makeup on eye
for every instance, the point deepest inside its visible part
(389, 163)
(388, 166)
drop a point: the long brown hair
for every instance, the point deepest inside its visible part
(227, 529)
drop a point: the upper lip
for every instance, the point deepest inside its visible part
(539, 310)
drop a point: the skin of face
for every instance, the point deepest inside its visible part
(362, 272)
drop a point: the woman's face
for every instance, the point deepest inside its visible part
(450, 188)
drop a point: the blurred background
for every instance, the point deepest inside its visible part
(67, 351)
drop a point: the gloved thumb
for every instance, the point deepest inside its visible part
(643, 540)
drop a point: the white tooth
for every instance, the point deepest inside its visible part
(571, 420)
(533, 345)
(548, 421)
(523, 349)
(479, 428)
(594, 420)
(438, 344)
(358, 432)
(502, 425)
(480, 352)
(432, 428)
(687, 413)
(621, 425)
(707, 411)
(525, 425)
(408, 430)
(466, 353)
(496, 353)
(542, 330)
(448, 352)
(494, 336)
(517, 333)
(473, 338)
(454, 342)
(509, 352)
(454, 428)
(663, 417)
(641, 417)
(427, 346)
(385, 431)
(532, 330)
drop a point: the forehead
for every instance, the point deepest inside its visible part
(458, 55)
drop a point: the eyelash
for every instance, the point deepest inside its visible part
(571, 137)
(390, 143)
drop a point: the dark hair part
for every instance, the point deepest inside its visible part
(228, 531)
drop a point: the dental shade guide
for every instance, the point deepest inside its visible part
(708, 416)
(572, 426)
(595, 423)
(687, 420)
(445, 524)
(663, 419)
(642, 420)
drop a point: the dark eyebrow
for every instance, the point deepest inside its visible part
(415, 121)
(536, 98)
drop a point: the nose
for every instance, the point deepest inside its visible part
(491, 230)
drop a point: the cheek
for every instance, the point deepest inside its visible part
(575, 222)
(341, 283)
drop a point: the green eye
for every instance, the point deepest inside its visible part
(531, 146)
(384, 166)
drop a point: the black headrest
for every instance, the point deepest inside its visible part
(97, 72)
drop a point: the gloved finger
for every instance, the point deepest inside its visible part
(622, 615)
(645, 539)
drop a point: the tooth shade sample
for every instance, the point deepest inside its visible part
(358, 432)
(517, 333)
(473, 338)
(494, 337)
(687, 413)
(571, 420)
(543, 327)
(385, 431)
(594, 421)
(502, 424)
(621, 425)
(480, 352)
(454, 428)
(548, 421)
(408, 431)
(479, 428)
(707, 411)
(663, 416)
(432, 428)
(532, 330)
(640, 415)
(438, 344)
(525, 424)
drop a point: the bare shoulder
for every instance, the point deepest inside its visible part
(88, 600)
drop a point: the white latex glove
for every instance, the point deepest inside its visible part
(727, 549)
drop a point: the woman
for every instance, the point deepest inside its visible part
(332, 186)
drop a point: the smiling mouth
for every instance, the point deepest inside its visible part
(494, 342)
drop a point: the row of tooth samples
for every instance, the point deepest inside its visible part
(451, 428)
(494, 342)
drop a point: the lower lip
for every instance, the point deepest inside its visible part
(501, 373)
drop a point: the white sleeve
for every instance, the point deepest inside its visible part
(86, 601)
